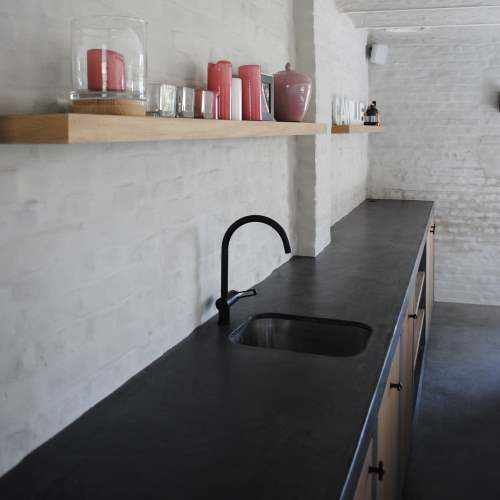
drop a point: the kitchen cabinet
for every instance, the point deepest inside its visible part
(429, 293)
(388, 453)
(417, 314)
(388, 434)
(386, 458)
(365, 488)
(406, 395)
(418, 330)
(395, 419)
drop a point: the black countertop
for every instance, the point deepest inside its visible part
(215, 420)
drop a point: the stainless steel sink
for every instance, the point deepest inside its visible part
(329, 337)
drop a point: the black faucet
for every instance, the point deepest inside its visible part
(227, 299)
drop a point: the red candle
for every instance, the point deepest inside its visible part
(105, 70)
(219, 81)
(251, 89)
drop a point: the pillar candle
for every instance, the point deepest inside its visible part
(105, 70)
(251, 92)
(219, 81)
(236, 100)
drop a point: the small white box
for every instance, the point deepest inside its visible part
(379, 54)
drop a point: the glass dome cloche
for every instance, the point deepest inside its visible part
(109, 63)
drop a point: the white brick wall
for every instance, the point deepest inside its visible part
(333, 169)
(342, 69)
(401, 5)
(109, 254)
(438, 98)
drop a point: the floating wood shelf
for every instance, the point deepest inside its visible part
(85, 128)
(356, 129)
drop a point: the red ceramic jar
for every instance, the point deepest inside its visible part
(292, 94)
(251, 92)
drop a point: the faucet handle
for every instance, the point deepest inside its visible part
(234, 295)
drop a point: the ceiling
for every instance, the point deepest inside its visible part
(403, 14)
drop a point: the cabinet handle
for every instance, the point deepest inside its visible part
(433, 228)
(412, 316)
(380, 471)
(398, 386)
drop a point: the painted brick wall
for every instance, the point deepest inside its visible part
(332, 179)
(341, 69)
(438, 97)
(109, 254)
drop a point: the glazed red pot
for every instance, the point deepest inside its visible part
(292, 94)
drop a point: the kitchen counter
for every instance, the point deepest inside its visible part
(213, 419)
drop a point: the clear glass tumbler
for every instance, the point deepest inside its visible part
(337, 110)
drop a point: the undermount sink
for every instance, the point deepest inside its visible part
(329, 337)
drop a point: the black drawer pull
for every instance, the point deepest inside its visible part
(380, 471)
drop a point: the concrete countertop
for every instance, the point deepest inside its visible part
(211, 419)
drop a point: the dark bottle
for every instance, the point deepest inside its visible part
(372, 115)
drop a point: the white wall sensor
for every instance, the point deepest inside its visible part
(379, 54)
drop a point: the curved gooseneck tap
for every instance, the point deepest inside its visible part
(227, 299)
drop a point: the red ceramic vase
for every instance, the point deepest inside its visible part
(111, 77)
(292, 94)
(219, 79)
(251, 92)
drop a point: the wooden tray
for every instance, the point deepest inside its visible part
(127, 107)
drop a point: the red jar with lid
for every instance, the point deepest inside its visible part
(292, 94)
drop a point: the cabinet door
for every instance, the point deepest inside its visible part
(364, 489)
(406, 392)
(429, 290)
(388, 435)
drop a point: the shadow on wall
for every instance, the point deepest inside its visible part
(490, 93)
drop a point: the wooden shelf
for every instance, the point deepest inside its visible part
(75, 128)
(356, 129)
(419, 287)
